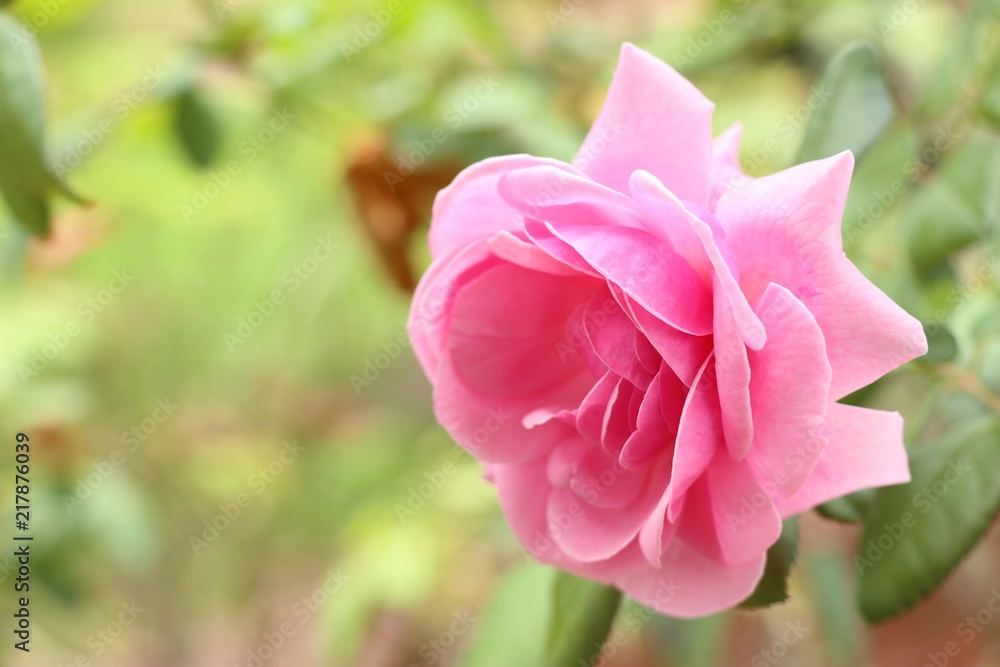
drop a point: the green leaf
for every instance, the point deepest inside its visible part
(512, 631)
(197, 126)
(582, 614)
(24, 178)
(941, 344)
(834, 609)
(852, 508)
(773, 586)
(918, 532)
(857, 107)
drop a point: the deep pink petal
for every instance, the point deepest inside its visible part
(613, 337)
(865, 449)
(653, 436)
(653, 119)
(789, 392)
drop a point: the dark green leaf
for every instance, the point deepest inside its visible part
(773, 586)
(918, 532)
(852, 508)
(196, 126)
(24, 179)
(855, 107)
(582, 614)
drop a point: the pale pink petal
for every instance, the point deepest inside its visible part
(471, 209)
(789, 392)
(732, 370)
(588, 533)
(657, 278)
(590, 415)
(688, 584)
(653, 119)
(602, 482)
(511, 247)
(726, 172)
(728, 515)
(660, 203)
(613, 337)
(505, 328)
(699, 435)
(864, 450)
(785, 228)
(653, 436)
(430, 311)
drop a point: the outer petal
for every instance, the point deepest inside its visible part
(726, 172)
(430, 311)
(689, 584)
(865, 450)
(785, 228)
(653, 119)
(471, 209)
(789, 393)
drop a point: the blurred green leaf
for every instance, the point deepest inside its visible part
(197, 126)
(941, 344)
(24, 178)
(918, 532)
(582, 614)
(852, 508)
(512, 631)
(857, 110)
(835, 609)
(773, 586)
(960, 205)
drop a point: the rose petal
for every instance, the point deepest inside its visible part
(864, 450)
(653, 119)
(789, 392)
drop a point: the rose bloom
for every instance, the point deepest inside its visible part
(645, 349)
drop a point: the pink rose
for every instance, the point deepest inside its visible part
(645, 349)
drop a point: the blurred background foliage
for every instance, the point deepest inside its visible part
(234, 458)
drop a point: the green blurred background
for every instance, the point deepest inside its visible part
(234, 457)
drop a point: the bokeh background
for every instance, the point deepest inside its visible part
(234, 457)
